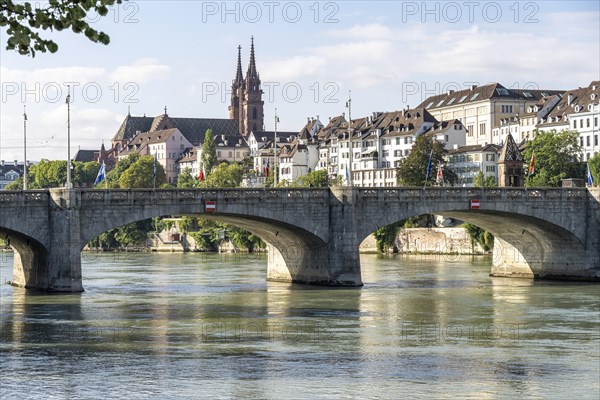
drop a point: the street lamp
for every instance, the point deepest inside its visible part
(349, 107)
(275, 169)
(24, 147)
(69, 185)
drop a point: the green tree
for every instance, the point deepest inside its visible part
(17, 184)
(481, 180)
(413, 169)
(85, 174)
(185, 180)
(209, 152)
(312, 179)
(24, 22)
(555, 157)
(594, 164)
(225, 176)
(385, 237)
(140, 174)
(479, 235)
(132, 234)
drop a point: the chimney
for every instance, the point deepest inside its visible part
(317, 117)
(569, 99)
(473, 87)
(2, 163)
(450, 92)
(455, 146)
(16, 163)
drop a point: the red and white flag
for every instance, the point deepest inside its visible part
(202, 175)
(440, 175)
(532, 163)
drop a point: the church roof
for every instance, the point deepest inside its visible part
(85, 155)
(131, 125)
(510, 150)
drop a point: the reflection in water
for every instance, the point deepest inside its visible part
(176, 325)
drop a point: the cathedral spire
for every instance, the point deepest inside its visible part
(239, 78)
(252, 79)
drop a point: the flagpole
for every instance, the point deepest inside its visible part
(428, 168)
(69, 185)
(275, 151)
(24, 148)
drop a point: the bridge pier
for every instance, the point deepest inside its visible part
(56, 267)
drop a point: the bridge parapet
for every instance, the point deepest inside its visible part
(21, 198)
(453, 194)
(160, 196)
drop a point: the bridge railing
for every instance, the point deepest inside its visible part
(20, 198)
(458, 193)
(137, 196)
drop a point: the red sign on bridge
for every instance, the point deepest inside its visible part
(210, 207)
(474, 204)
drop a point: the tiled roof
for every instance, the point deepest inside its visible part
(575, 101)
(485, 92)
(192, 128)
(475, 148)
(85, 155)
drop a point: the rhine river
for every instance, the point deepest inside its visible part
(193, 325)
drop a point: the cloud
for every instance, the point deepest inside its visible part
(141, 71)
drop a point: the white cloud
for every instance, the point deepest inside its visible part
(141, 71)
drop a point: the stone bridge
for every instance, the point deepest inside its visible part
(313, 234)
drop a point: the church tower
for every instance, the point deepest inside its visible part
(251, 103)
(236, 88)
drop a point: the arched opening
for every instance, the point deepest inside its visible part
(524, 246)
(30, 259)
(293, 254)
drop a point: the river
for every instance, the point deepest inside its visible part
(196, 325)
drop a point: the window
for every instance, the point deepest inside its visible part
(397, 140)
(574, 124)
(440, 103)
(527, 94)
(219, 153)
(254, 113)
(173, 138)
(587, 123)
(581, 141)
(451, 101)
(476, 95)
(587, 141)
(462, 98)
(446, 138)
(470, 130)
(482, 129)
(429, 105)
(490, 157)
(490, 168)
(595, 140)
(506, 109)
(581, 123)
(229, 154)
(595, 121)
(502, 92)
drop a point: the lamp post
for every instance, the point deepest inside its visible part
(69, 185)
(349, 106)
(24, 148)
(275, 168)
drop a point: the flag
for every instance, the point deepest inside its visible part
(532, 163)
(429, 166)
(154, 175)
(267, 169)
(347, 176)
(202, 175)
(101, 174)
(440, 175)
(590, 177)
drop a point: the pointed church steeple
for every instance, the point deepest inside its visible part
(239, 78)
(252, 78)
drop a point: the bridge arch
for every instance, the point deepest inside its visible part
(531, 241)
(297, 248)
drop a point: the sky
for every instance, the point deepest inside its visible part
(182, 55)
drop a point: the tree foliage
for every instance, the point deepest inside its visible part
(24, 22)
(140, 174)
(385, 237)
(481, 236)
(481, 180)
(185, 180)
(555, 157)
(413, 169)
(225, 176)
(312, 179)
(209, 152)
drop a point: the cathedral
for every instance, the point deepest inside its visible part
(246, 114)
(246, 96)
